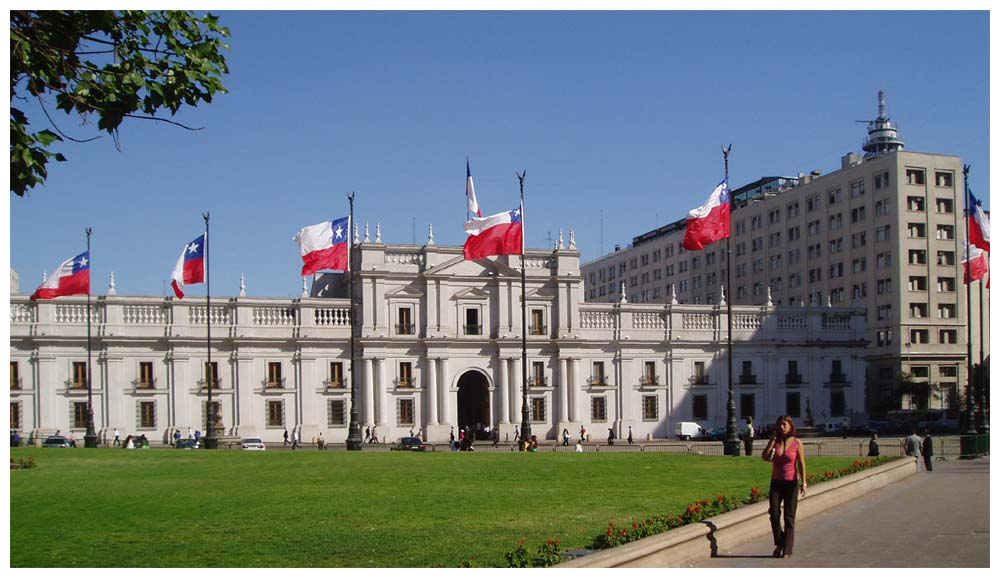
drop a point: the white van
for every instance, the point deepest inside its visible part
(687, 430)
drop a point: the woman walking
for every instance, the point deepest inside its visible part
(788, 471)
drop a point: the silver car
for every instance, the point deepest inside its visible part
(253, 444)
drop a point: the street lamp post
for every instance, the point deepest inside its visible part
(90, 437)
(354, 429)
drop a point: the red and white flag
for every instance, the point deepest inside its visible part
(710, 222)
(500, 234)
(190, 267)
(470, 192)
(325, 246)
(72, 278)
(976, 266)
(979, 223)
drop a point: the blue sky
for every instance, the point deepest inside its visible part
(614, 112)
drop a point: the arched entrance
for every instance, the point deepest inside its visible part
(474, 402)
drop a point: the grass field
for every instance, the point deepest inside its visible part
(170, 508)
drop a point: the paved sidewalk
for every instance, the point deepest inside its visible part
(931, 519)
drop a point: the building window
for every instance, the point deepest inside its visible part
(274, 380)
(884, 337)
(859, 265)
(147, 415)
(916, 230)
(884, 286)
(649, 373)
(405, 374)
(15, 375)
(537, 374)
(15, 415)
(946, 311)
(919, 336)
(945, 232)
(79, 414)
(597, 374)
(405, 324)
(883, 233)
(336, 413)
(79, 379)
(858, 215)
(836, 221)
(146, 380)
(945, 206)
(275, 413)
(792, 375)
(747, 405)
(946, 284)
(918, 310)
(538, 321)
(944, 178)
(948, 371)
(404, 412)
(882, 180)
(537, 409)
(914, 176)
(211, 375)
(918, 257)
(918, 283)
(792, 210)
(598, 409)
(882, 207)
(336, 374)
(699, 407)
(746, 375)
(857, 189)
(859, 291)
(834, 196)
(793, 404)
(472, 325)
(700, 377)
(650, 409)
(948, 336)
(884, 312)
(794, 233)
(837, 403)
(945, 257)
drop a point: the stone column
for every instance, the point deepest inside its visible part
(380, 388)
(574, 378)
(515, 390)
(432, 391)
(447, 400)
(563, 390)
(369, 415)
(504, 392)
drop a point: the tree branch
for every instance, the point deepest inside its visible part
(156, 118)
(41, 103)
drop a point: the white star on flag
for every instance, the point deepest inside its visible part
(193, 248)
(83, 262)
(339, 232)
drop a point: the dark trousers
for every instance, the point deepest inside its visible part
(787, 492)
(928, 462)
(748, 445)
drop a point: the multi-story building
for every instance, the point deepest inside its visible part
(438, 346)
(884, 232)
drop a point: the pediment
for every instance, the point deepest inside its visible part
(406, 292)
(541, 294)
(458, 267)
(470, 293)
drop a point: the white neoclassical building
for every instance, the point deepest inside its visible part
(438, 347)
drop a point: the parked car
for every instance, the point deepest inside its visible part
(688, 430)
(56, 442)
(183, 444)
(717, 434)
(409, 444)
(255, 444)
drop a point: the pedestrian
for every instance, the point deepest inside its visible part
(177, 436)
(295, 439)
(565, 436)
(197, 435)
(579, 447)
(748, 436)
(629, 435)
(517, 433)
(368, 434)
(912, 443)
(285, 438)
(190, 434)
(927, 449)
(611, 436)
(72, 441)
(118, 438)
(15, 439)
(873, 446)
(451, 436)
(583, 434)
(374, 436)
(320, 444)
(496, 436)
(788, 480)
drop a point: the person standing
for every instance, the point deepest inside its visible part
(320, 444)
(748, 436)
(284, 441)
(517, 433)
(927, 450)
(368, 434)
(583, 434)
(911, 445)
(295, 439)
(629, 435)
(565, 436)
(611, 436)
(496, 436)
(873, 446)
(788, 480)
(118, 438)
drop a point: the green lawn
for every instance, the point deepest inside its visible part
(171, 508)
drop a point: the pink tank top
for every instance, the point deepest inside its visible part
(783, 464)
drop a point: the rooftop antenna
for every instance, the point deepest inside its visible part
(883, 136)
(602, 232)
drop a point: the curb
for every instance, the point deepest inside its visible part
(681, 546)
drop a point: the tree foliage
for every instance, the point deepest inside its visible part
(108, 65)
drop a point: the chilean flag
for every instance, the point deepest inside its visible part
(979, 223)
(325, 246)
(710, 222)
(190, 268)
(977, 266)
(72, 278)
(500, 234)
(470, 192)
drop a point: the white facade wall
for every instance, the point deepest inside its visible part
(302, 337)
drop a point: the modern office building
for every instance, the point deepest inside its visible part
(438, 346)
(884, 232)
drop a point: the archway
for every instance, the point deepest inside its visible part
(474, 403)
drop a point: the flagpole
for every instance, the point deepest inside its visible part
(90, 437)
(211, 442)
(982, 425)
(731, 446)
(354, 429)
(525, 422)
(968, 438)
(467, 174)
